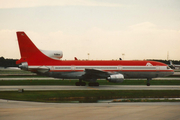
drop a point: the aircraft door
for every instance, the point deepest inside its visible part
(157, 68)
(72, 67)
(119, 68)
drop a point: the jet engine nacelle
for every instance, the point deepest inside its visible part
(53, 54)
(116, 78)
(24, 66)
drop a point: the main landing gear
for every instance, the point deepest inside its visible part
(80, 83)
(94, 84)
(148, 81)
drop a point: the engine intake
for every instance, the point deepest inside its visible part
(53, 54)
(116, 78)
(24, 66)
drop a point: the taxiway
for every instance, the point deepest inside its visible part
(101, 87)
(19, 110)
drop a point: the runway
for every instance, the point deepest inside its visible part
(102, 87)
(19, 110)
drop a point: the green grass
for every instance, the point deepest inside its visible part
(146, 100)
(72, 82)
(86, 96)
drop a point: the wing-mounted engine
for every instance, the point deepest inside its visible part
(116, 78)
(53, 54)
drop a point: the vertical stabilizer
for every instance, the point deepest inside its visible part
(171, 65)
(29, 52)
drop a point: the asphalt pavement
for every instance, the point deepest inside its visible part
(19, 110)
(101, 87)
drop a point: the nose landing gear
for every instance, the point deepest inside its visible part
(148, 81)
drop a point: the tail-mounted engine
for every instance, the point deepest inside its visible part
(53, 54)
(24, 66)
(116, 78)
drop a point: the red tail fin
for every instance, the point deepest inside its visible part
(29, 52)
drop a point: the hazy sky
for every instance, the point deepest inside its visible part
(140, 29)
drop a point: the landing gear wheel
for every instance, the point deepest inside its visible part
(80, 84)
(148, 81)
(83, 84)
(148, 84)
(96, 84)
(77, 83)
(93, 84)
(89, 84)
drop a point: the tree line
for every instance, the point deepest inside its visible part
(166, 61)
(8, 62)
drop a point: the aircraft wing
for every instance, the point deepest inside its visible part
(95, 73)
(91, 75)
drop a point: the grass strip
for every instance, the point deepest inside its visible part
(86, 96)
(22, 76)
(72, 82)
(146, 100)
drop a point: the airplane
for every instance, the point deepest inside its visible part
(49, 63)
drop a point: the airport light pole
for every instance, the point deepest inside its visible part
(123, 55)
(88, 56)
(168, 55)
